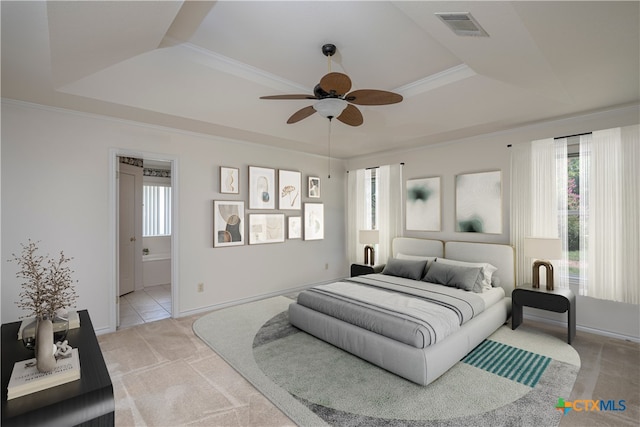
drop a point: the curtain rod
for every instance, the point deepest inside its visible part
(376, 167)
(562, 137)
(571, 136)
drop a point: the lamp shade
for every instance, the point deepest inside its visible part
(542, 248)
(330, 107)
(369, 237)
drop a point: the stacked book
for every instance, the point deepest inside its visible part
(26, 379)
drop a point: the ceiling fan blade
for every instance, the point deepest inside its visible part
(288, 97)
(301, 114)
(373, 97)
(351, 116)
(337, 83)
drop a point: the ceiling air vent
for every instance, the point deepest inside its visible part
(463, 24)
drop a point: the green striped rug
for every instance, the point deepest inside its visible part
(509, 362)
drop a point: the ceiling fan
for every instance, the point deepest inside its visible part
(334, 98)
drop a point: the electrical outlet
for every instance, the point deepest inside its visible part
(200, 287)
(326, 266)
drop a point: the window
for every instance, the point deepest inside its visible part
(602, 182)
(156, 210)
(374, 202)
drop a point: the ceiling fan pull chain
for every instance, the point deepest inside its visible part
(329, 150)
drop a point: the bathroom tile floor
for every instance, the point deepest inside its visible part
(148, 305)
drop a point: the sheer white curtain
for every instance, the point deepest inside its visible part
(521, 208)
(538, 170)
(355, 214)
(584, 179)
(612, 196)
(389, 209)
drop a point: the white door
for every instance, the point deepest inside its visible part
(127, 232)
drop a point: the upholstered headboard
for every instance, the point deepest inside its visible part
(412, 246)
(499, 255)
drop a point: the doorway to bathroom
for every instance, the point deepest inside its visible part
(145, 233)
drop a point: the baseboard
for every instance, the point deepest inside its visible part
(583, 328)
(250, 299)
(102, 331)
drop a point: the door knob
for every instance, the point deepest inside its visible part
(132, 239)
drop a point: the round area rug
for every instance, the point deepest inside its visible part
(498, 382)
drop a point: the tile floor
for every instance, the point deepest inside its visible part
(148, 305)
(163, 375)
(609, 370)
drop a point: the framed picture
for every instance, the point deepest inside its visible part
(262, 188)
(314, 187)
(289, 189)
(423, 204)
(313, 221)
(229, 180)
(266, 228)
(479, 202)
(228, 223)
(295, 227)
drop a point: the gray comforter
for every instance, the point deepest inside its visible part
(412, 312)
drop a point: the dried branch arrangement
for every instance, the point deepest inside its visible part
(48, 286)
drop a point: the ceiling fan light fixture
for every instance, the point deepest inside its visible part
(330, 107)
(334, 98)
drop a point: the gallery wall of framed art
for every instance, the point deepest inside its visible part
(276, 208)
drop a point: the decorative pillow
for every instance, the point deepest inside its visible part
(467, 278)
(487, 269)
(496, 282)
(429, 259)
(409, 269)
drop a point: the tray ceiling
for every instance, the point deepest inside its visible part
(202, 66)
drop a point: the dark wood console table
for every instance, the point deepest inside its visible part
(557, 300)
(87, 401)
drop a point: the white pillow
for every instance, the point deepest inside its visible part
(429, 259)
(487, 269)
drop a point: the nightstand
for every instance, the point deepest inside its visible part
(557, 300)
(361, 269)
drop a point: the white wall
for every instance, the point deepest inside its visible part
(490, 152)
(55, 188)
(157, 244)
(55, 184)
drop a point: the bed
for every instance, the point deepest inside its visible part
(409, 345)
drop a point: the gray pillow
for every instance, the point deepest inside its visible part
(409, 269)
(467, 278)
